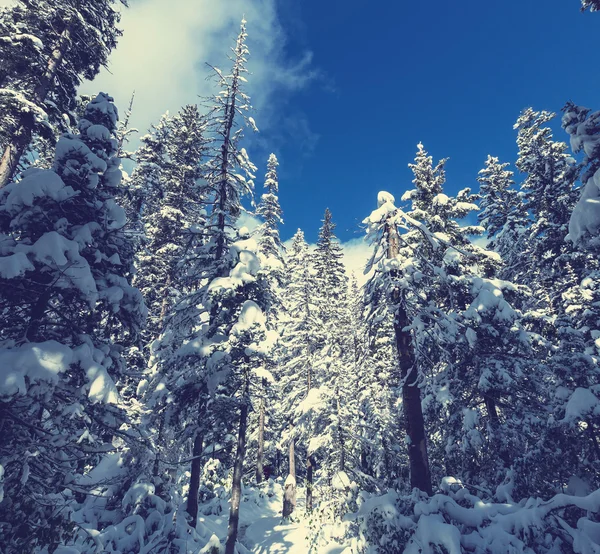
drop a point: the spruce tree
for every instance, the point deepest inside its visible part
(49, 48)
(502, 214)
(271, 250)
(549, 195)
(297, 360)
(68, 309)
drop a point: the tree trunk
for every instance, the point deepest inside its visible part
(164, 308)
(309, 483)
(340, 436)
(289, 493)
(411, 393)
(236, 487)
(192, 501)
(260, 472)
(23, 134)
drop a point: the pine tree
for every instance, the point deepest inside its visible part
(271, 250)
(378, 387)
(43, 69)
(297, 352)
(382, 227)
(549, 195)
(502, 214)
(173, 213)
(68, 309)
(200, 359)
(334, 415)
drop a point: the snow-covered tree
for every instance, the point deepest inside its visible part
(333, 415)
(297, 357)
(48, 48)
(583, 126)
(270, 212)
(377, 385)
(550, 174)
(198, 360)
(502, 214)
(68, 308)
(172, 210)
(271, 251)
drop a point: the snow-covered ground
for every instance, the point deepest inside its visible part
(262, 529)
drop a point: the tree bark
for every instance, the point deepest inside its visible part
(289, 493)
(236, 487)
(341, 436)
(309, 483)
(260, 472)
(411, 393)
(192, 501)
(15, 149)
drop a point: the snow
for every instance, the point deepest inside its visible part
(585, 219)
(115, 214)
(36, 183)
(98, 132)
(102, 388)
(15, 265)
(32, 363)
(441, 199)
(582, 404)
(20, 37)
(341, 481)
(63, 254)
(384, 197)
(250, 315)
(71, 147)
(385, 208)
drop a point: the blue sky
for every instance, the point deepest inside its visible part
(344, 91)
(453, 75)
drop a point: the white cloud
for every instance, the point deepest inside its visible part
(165, 45)
(356, 255)
(246, 219)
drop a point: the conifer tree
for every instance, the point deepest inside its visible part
(271, 250)
(49, 48)
(173, 214)
(502, 214)
(68, 309)
(549, 196)
(199, 359)
(297, 351)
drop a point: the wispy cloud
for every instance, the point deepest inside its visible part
(165, 45)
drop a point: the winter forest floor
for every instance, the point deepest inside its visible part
(262, 529)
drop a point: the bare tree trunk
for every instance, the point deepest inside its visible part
(236, 487)
(260, 472)
(289, 493)
(411, 393)
(309, 483)
(22, 137)
(192, 501)
(164, 308)
(340, 436)
(496, 443)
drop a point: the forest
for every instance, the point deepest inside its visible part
(174, 382)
